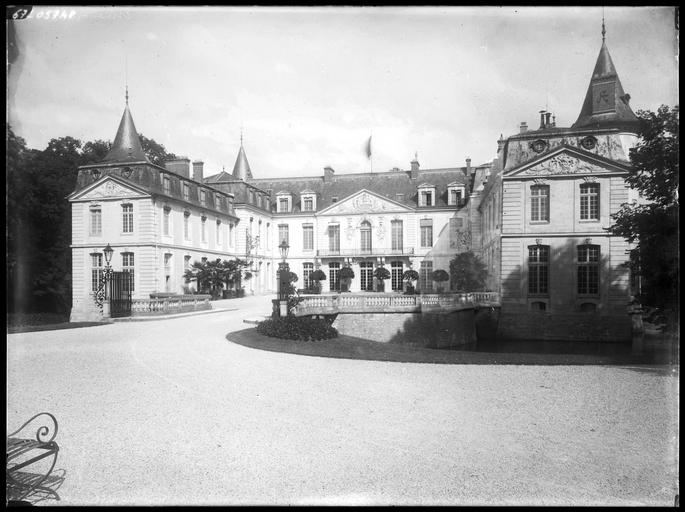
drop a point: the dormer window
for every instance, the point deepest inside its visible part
(284, 202)
(308, 200)
(426, 194)
(203, 197)
(456, 194)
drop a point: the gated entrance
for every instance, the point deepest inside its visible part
(121, 286)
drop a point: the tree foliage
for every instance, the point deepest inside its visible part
(39, 217)
(212, 276)
(381, 273)
(410, 275)
(440, 275)
(653, 226)
(467, 273)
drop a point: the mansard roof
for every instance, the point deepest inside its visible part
(126, 146)
(398, 186)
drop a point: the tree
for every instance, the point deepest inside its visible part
(155, 152)
(346, 275)
(317, 276)
(39, 217)
(467, 272)
(654, 226)
(440, 276)
(410, 277)
(381, 273)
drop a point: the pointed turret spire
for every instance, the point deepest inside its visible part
(126, 146)
(241, 169)
(606, 105)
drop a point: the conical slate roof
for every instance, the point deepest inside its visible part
(126, 146)
(241, 169)
(606, 105)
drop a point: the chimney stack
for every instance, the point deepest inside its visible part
(542, 119)
(197, 170)
(500, 143)
(415, 167)
(524, 127)
(328, 174)
(547, 116)
(468, 166)
(179, 166)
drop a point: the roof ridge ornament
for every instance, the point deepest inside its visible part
(604, 31)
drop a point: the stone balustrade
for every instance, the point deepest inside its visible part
(392, 302)
(170, 305)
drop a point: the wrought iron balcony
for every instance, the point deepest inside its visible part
(357, 252)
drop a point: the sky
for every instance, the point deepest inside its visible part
(308, 86)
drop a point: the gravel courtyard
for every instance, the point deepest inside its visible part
(170, 412)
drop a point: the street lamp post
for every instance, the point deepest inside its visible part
(283, 279)
(102, 296)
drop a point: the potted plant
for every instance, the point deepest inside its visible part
(381, 274)
(317, 276)
(440, 276)
(410, 277)
(346, 275)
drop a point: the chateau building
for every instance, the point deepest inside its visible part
(537, 216)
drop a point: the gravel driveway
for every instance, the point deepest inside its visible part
(169, 412)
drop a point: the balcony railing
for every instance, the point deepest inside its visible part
(169, 305)
(392, 302)
(374, 251)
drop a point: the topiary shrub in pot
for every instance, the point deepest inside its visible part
(346, 275)
(317, 276)
(440, 276)
(381, 273)
(410, 277)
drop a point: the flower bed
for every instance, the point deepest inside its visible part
(297, 328)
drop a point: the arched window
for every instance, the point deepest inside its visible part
(366, 237)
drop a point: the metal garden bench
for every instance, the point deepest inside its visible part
(25, 473)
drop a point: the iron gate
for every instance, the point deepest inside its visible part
(121, 286)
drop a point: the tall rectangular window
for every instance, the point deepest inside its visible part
(396, 228)
(218, 232)
(268, 235)
(334, 238)
(396, 271)
(186, 225)
(167, 185)
(538, 269)
(186, 263)
(589, 201)
(425, 280)
(95, 221)
(539, 203)
(231, 235)
(127, 217)
(365, 233)
(426, 198)
(334, 276)
(203, 197)
(127, 265)
(366, 275)
(203, 229)
(426, 233)
(96, 270)
(588, 269)
(308, 237)
(283, 204)
(308, 204)
(166, 222)
(186, 192)
(283, 234)
(307, 269)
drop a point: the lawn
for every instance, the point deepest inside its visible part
(347, 347)
(30, 322)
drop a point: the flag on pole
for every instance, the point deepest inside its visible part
(368, 148)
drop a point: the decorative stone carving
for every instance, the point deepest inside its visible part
(539, 181)
(562, 164)
(588, 142)
(364, 203)
(539, 145)
(110, 189)
(589, 179)
(126, 173)
(349, 230)
(380, 230)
